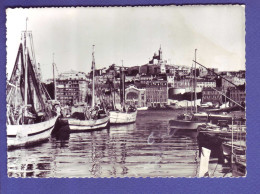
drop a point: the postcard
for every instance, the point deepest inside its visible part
(144, 91)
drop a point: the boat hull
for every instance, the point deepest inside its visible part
(77, 125)
(25, 135)
(142, 108)
(183, 124)
(122, 117)
(237, 149)
(225, 135)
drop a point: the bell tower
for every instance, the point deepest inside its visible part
(160, 53)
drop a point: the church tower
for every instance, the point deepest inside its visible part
(160, 53)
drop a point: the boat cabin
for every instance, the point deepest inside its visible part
(200, 117)
(218, 119)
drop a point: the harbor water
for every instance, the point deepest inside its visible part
(146, 148)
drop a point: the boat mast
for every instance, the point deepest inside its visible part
(191, 88)
(26, 70)
(54, 80)
(93, 77)
(195, 84)
(123, 84)
(114, 92)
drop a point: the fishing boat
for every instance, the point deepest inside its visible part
(125, 115)
(92, 118)
(190, 121)
(193, 122)
(223, 130)
(120, 117)
(30, 118)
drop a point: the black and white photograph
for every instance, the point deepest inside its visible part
(141, 91)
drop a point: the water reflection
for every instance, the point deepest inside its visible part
(146, 148)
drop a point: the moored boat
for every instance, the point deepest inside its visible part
(89, 119)
(77, 125)
(142, 108)
(123, 116)
(30, 116)
(118, 117)
(25, 135)
(188, 122)
(239, 147)
(239, 166)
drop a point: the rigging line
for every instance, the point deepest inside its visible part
(227, 97)
(217, 75)
(56, 68)
(32, 47)
(214, 170)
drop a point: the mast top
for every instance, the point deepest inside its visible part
(26, 23)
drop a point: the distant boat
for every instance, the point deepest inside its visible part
(123, 116)
(93, 118)
(30, 119)
(142, 108)
(188, 122)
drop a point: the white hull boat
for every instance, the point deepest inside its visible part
(142, 108)
(117, 117)
(30, 114)
(77, 125)
(24, 135)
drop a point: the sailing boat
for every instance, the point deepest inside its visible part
(94, 118)
(123, 116)
(190, 121)
(29, 117)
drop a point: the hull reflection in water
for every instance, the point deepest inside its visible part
(142, 149)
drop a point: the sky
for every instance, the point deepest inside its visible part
(131, 34)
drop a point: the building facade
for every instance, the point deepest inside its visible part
(204, 83)
(157, 93)
(71, 88)
(238, 95)
(211, 95)
(235, 80)
(134, 95)
(170, 79)
(185, 83)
